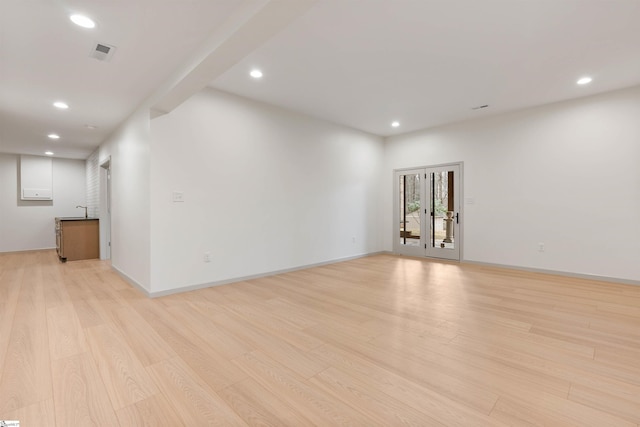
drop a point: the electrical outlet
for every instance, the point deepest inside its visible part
(207, 257)
(540, 247)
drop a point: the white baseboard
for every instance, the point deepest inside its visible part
(539, 270)
(557, 273)
(337, 260)
(25, 250)
(253, 276)
(131, 281)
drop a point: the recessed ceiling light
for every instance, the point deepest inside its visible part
(53, 136)
(61, 105)
(256, 74)
(584, 80)
(82, 21)
(49, 153)
(395, 124)
(91, 127)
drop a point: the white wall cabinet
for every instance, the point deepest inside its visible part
(36, 178)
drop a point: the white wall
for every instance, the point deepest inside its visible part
(265, 190)
(93, 184)
(28, 225)
(565, 174)
(128, 149)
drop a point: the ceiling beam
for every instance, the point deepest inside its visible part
(252, 24)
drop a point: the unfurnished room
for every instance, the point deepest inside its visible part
(320, 213)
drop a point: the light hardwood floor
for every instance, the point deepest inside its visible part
(383, 340)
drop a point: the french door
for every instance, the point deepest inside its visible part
(427, 212)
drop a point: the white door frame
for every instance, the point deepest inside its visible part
(416, 247)
(105, 209)
(424, 249)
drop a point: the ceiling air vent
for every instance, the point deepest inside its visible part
(102, 52)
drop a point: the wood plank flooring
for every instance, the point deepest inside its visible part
(377, 341)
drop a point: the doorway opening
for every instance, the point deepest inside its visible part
(427, 219)
(105, 209)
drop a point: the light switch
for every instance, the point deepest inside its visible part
(177, 196)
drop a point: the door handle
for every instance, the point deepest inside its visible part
(457, 218)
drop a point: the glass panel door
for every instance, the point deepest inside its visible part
(444, 214)
(410, 219)
(427, 212)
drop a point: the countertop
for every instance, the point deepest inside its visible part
(75, 218)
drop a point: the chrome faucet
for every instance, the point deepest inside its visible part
(86, 215)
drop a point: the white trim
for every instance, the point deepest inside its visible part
(439, 165)
(104, 208)
(29, 250)
(557, 273)
(238, 279)
(461, 205)
(521, 268)
(397, 248)
(338, 260)
(132, 282)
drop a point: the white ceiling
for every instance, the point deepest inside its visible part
(428, 62)
(44, 57)
(362, 63)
